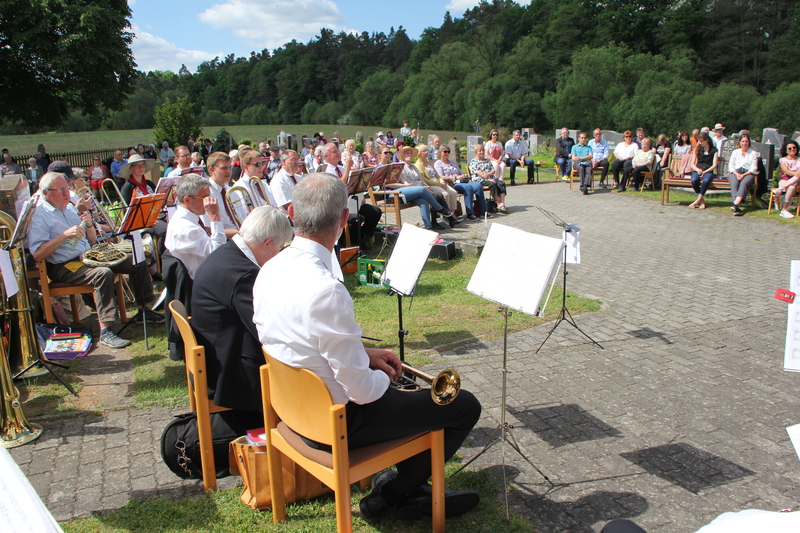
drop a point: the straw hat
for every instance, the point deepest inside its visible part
(401, 152)
(149, 164)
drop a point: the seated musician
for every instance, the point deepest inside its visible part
(285, 179)
(222, 315)
(219, 169)
(252, 163)
(311, 324)
(56, 221)
(188, 238)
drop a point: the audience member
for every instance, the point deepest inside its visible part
(435, 183)
(412, 189)
(790, 177)
(9, 166)
(663, 153)
(369, 157)
(43, 158)
(563, 156)
(207, 150)
(116, 165)
(472, 191)
(718, 136)
(639, 137)
(166, 153)
(742, 167)
(582, 155)
(623, 159)
(704, 163)
(405, 131)
(642, 162)
(351, 153)
(98, 173)
(682, 144)
(482, 171)
(33, 173)
(516, 152)
(494, 151)
(599, 148)
(274, 164)
(434, 149)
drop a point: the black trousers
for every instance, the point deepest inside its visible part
(603, 164)
(622, 525)
(626, 167)
(398, 414)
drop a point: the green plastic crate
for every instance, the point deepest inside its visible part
(369, 272)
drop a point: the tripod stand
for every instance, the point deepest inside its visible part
(564, 314)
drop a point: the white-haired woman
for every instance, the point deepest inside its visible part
(350, 153)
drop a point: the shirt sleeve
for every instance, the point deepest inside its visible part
(338, 336)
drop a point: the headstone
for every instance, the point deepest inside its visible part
(455, 151)
(613, 138)
(771, 136)
(282, 138)
(472, 142)
(796, 135)
(767, 152)
(292, 144)
(360, 138)
(531, 139)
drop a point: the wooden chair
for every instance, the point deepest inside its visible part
(379, 200)
(774, 197)
(573, 176)
(301, 400)
(55, 288)
(199, 402)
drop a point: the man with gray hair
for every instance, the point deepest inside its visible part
(222, 315)
(188, 239)
(311, 324)
(285, 180)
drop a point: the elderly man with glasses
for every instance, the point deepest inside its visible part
(58, 235)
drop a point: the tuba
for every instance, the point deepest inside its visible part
(239, 203)
(444, 386)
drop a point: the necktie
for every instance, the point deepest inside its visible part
(200, 221)
(293, 178)
(339, 171)
(257, 188)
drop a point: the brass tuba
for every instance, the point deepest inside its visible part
(24, 348)
(444, 386)
(15, 430)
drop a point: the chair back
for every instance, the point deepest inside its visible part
(300, 399)
(195, 356)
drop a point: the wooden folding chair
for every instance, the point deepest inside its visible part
(301, 400)
(196, 381)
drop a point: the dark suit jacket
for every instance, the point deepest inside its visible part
(222, 319)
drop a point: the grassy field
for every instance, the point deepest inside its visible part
(67, 142)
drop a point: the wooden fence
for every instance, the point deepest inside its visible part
(83, 158)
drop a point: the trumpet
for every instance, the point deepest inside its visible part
(444, 386)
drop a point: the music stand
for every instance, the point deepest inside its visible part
(42, 363)
(142, 213)
(166, 186)
(539, 255)
(404, 268)
(564, 315)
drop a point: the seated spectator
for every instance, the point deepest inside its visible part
(188, 240)
(459, 181)
(140, 149)
(222, 315)
(704, 163)
(563, 157)
(494, 151)
(307, 149)
(369, 157)
(42, 157)
(59, 236)
(642, 162)
(623, 158)
(663, 152)
(390, 140)
(166, 153)
(743, 167)
(516, 155)
(405, 131)
(116, 165)
(97, 174)
(582, 156)
(8, 166)
(682, 145)
(398, 144)
(207, 150)
(380, 139)
(350, 153)
(150, 153)
(412, 189)
(33, 174)
(790, 177)
(639, 137)
(482, 171)
(599, 148)
(436, 184)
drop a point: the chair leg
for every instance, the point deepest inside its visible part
(48, 310)
(437, 480)
(276, 486)
(76, 316)
(123, 313)
(344, 512)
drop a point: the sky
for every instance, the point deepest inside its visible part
(174, 32)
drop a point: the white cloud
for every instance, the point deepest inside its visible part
(156, 53)
(273, 23)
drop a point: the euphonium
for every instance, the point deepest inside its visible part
(24, 348)
(444, 386)
(239, 203)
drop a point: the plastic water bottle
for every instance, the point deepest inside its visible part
(71, 243)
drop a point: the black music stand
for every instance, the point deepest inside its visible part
(142, 213)
(564, 314)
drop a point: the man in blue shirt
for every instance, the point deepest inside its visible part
(116, 167)
(599, 148)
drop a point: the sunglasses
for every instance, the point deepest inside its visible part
(445, 151)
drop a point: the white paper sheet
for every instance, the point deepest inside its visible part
(9, 279)
(794, 436)
(573, 239)
(138, 247)
(791, 357)
(410, 252)
(21, 509)
(513, 250)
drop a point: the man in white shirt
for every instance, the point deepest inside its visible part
(253, 168)
(516, 152)
(312, 325)
(285, 180)
(185, 164)
(433, 151)
(219, 166)
(165, 153)
(718, 136)
(188, 239)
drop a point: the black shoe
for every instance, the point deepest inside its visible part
(419, 504)
(156, 277)
(151, 316)
(445, 212)
(620, 189)
(513, 183)
(472, 217)
(435, 225)
(585, 190)
(373, 503)
(635, 188)
(737, 212)
(530, 182)
(452, 220)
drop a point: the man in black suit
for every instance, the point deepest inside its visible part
(222, 315)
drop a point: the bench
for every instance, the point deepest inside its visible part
(673, 179)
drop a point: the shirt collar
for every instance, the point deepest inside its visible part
(185, 213)
(240, 242)
(314, 248)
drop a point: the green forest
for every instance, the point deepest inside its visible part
(659, 64)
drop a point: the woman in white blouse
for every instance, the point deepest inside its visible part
(495, 151)
(350, 153)
(623, 159)
(743, 167)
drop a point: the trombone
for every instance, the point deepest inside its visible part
(239, 203)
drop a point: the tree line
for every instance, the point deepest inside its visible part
(618, 64)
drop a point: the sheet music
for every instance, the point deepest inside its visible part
(138, 247)
(21, 509)
(510, 249)
(410, 252)
(9, 279)
(573, 240)
(791, 357)
(794, 436)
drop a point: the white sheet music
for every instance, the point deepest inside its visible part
(573, 240)
(9, 279)
(791, 357)
(138, 247)
(510, 249)
(21, 509)
(410, 252)
(794, 436)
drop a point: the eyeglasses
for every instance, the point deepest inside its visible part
(60, 190)
(96, 159)
(387, 153)
(200, 197)
(259, 164)
(628, 137)
(791, 148)
(445, 151)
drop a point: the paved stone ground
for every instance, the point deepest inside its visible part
(679, 418)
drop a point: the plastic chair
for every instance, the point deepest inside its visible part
(196, 381)
(301, 400)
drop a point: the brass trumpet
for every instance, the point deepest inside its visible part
(444, 386)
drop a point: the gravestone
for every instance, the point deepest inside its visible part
(796, 135)
(771, 136)
(292, 142)
(613, 138)
(360, 138)
(283, 139)
(455, 151)
(472, 141)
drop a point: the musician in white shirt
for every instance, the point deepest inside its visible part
(219, 166)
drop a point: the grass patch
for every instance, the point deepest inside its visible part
(720, 202)
(46, 396)
(223, 511)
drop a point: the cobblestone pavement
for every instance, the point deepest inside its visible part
(679, 418)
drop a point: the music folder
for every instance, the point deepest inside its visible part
(142, 212)
(386, 174)
(358, 180)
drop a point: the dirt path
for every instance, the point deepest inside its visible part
(107, 376)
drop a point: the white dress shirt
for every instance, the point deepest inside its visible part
(189, 242)
(255, 195)
(216, 193)
(282, 185)
(747, 160)
(305, 319)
